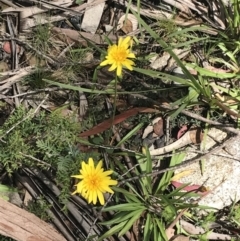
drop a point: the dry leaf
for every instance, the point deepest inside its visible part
(76, 36)
(92, 17)
(128, 23)
(117, 119)
(127, 27)
(149, 128)
(181, 174)
(180, 238)
(159, 62)
(169, 232)
(200, 189)
(182, 131)
(158, 128)
(25, 12)
(7, 47)
(39, 19)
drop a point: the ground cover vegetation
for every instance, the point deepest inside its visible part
(75, 107)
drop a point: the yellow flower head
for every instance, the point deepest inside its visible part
(95, 181)
(117, 56)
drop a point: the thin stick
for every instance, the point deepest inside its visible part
(198, 117)
(35, 159)
(30, 93)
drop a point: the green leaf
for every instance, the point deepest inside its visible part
(129, 224)
(147, 168)
(95, 91)
(71, 87)
(169, 50)
(136, 191)
(188, 43)
(175, 113)
(113, 230)
(166, 178)
(79, 2)
(160, 75)
(157, 236)
(210, 73)
(145, 185)
(120, 217)
(125, 207)
(147, 228)
(130, 134)
(162, 228)
(132, 197)
(4, 188)
(186, 30)
(149, 164)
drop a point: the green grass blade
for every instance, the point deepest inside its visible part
(169, 50)
(120, 217)
(127, 194)
(113, 230)
(162, 229)
(125, 207)
(71, 87)
(166, 178)
(130, 222)
(130, 134)
(147, 228)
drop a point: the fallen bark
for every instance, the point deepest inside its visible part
(21, 225)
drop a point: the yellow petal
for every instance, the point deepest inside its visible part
(182, 174)
(90, 197)
(113, 67)
(84, 170)
(120, 41)
(131, 55)
(99, 166)
(112, 48)
(107, 173)
(108, 189)
(90, 162)
(119, 70)
(85, 195)
(125, 43)
(80, 185)
(94, 196)
(110, 182)
(131, 43)
(105, 62)
(128, 64)
(100, 197)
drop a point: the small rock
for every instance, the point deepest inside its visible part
(221, 172)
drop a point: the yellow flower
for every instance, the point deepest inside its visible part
(95, 181)
(117, 56)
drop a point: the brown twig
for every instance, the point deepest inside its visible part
(198, 117)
